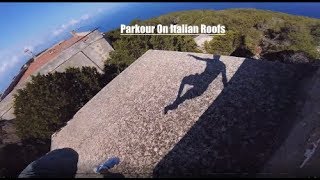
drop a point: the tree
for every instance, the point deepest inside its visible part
(130, 48)
(49, 101)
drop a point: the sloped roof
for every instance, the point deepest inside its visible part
(82, 33)
(48, 55)
(226, 119)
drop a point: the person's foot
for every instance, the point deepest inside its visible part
(169, 107)
(104, 167)
(166, 109)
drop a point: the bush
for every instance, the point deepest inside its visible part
(223, 45)
(275, 31)
(130, 48)
(49, 101)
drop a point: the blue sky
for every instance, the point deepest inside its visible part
(31, 25)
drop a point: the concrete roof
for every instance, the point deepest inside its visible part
(127, 118)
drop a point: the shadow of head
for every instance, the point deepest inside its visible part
(216, 57)
(57, 163)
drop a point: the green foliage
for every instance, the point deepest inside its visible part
(249, 28)
(130, 48)
(49, 101)
(252, 39)
(120, 59)
(173, 43)
(277, 31)
(315, 32)
(135, 21)
(223, 45)
(304, 43)
(113, 36)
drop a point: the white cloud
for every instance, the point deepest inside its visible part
(85, 17)
(8, 64)
(71, 23)
(3, 67)
(8, 69)
(57, 31)
(12, 58)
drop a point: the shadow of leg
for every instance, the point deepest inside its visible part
(186, 80)
(172, 106)
(190, 94)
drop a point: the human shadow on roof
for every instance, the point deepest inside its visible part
(244, 125)
(200, 82)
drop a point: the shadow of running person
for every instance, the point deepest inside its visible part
(60, 163)
(200, 82)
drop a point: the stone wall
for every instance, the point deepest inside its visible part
(78, 60)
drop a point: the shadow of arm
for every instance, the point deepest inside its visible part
(198, 58)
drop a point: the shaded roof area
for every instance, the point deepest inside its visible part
(182, 114)
(49, 54)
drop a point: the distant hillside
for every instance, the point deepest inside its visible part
(250, 32)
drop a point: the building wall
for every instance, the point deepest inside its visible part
(78, 60)
(94, 47)
(6, 110)
(98, 52)
(13, 83)
(91, 51)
